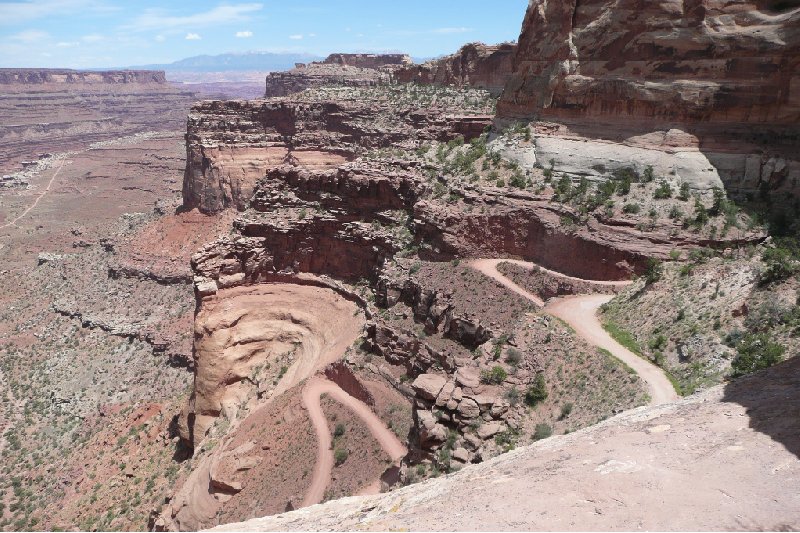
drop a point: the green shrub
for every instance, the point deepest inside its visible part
(779, 263)
(339, 430)
(755, 352)
(513, 357)
(663, 191)
(654, 271)
(658, 343)
(566, 409)
(537, 392)
(631, 208)
(496, 375)
(542, 431)
(683, 195)
(340, 455)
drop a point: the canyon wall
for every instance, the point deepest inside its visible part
(717, 83)
(47, 110)
(474, 65)
(25, 76)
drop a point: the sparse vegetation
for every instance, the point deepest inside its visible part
(494, 376)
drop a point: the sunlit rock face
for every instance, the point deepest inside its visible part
(710, 86)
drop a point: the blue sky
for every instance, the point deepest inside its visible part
(112, 33)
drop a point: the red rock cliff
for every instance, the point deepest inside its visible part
(708, 87)
(676, 60)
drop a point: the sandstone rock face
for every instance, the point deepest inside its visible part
(231, 144)
(714, 82)
(474, 65)
(242, 332)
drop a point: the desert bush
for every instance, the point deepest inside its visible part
(513, 357)
(756, 352)
(536, 392)
(654, 271)
(566, 409)
(542, 431)
(340, 455)
(513, 396)
(779, 263)
(631, 208)
(494, 376)
(339, 430)
(663, 191)
(683, 194)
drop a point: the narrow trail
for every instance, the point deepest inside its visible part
(323, 467)
(580, 312)
(36, 201)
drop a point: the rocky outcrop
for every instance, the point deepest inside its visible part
(373, 61)
(474, 65)
(314, 75)
(80, 78)
(232, 144)
(715, 83)
(350, 70)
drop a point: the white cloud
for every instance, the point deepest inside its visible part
(160, 38)
(30, 36)
(65, 44)
(193, 37)
(451, 30)
(312, 34)
(296, 37)
(159, 19)
(244, 34)
(92, 38)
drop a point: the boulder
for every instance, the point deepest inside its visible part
(428, 386)
(430, 432)
(468, 377)
(468, 408)
(460, 454)
(490, 429)
(445, 395)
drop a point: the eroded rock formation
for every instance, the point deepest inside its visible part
(353, 70)
(474, 65)
(231, 144)
(705, 89)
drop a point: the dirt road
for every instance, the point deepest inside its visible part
(580, 312)
(36, 201)
(323, 467)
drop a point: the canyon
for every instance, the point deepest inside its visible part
(392, 295)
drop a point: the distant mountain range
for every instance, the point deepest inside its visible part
(250, 61)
